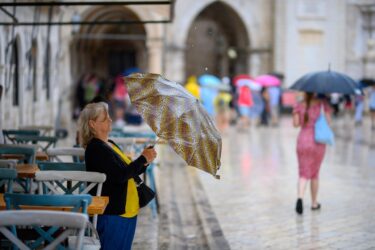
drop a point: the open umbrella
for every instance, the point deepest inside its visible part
(246, 80)
(207, 80)
(268, 80)
(366, 82)
(326, 82)
(209, 90)
(177, 117)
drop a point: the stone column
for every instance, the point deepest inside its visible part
(175, 63)
(369, 59)
(155, 52)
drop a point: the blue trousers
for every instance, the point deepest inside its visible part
(116, 232)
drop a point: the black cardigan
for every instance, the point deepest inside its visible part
(100, 157)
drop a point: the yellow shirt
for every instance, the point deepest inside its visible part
(132, 200)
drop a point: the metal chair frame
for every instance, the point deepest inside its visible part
(76, 202)
(70, 223)
(56, 182)
(54, 153)
(7, 177)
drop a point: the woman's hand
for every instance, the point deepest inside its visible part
(150, 154)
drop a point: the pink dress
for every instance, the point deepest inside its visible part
(309, 153)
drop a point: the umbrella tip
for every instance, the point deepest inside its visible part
(329, 66)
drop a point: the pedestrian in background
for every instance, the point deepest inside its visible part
(372, 106)
(309, 153)
(116, 227)
(266, 107)
(335, 103)
(222, 110)
(244, 102)
(359, 106)
(274, 93)
(193, 87)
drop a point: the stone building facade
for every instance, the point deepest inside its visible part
(224, 38)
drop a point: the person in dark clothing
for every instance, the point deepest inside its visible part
(265, 112)
(116, 227)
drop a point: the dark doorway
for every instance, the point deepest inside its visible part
(119, 61)
(217, 44)
(14, 69)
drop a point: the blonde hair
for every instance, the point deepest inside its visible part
(90, 112)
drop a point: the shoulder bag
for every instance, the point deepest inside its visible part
(323, 133)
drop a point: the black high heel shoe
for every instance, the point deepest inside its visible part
(299, 206)
(316, 208)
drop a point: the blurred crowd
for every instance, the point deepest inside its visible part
(239, 101)
(111, 90)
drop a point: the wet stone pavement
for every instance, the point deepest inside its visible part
(252, 206)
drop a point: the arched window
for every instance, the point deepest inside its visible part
(33, 66)
(47, 63)
(14, 72)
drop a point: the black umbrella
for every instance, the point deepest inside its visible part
(326, 82)
(366, 82)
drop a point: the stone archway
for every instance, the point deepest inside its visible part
(108, 50)
(217, 44)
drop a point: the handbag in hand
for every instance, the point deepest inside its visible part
(145, 194)
(323, 133)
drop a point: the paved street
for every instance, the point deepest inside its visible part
(254, 201)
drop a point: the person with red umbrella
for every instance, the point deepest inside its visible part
(244, 102)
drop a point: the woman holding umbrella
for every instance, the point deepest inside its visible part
(309, 153)
(116, 227)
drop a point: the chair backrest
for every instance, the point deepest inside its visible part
(56, 181)
(54, 153)
(62, 166)
(66, 222)
(7, 177)
(76, 202)
(36, 139)
(8, 163)
(10, 133)
(28, 153)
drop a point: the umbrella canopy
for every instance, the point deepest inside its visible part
(177, 117)
(366, 82)
(209, 90)
(242, 77)
(268, 80)
(326, 82)
(207, 80)
(246, 80)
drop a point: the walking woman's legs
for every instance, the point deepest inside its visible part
(314, 191)
(301, 187)
(301, 191)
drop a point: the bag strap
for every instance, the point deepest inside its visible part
(138, 180)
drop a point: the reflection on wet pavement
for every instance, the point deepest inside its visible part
(255, 198)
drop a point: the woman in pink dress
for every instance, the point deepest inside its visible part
(309, 153)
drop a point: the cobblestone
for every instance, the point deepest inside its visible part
(254, 201)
